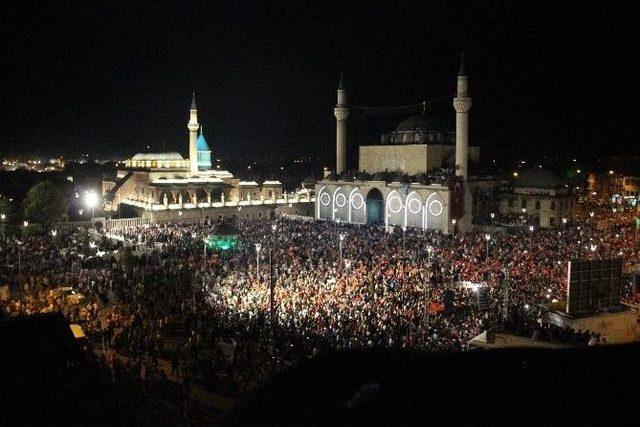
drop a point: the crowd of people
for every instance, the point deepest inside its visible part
(229, 319)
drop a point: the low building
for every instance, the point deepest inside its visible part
(538, 196)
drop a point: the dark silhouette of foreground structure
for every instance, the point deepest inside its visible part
(46, 378)
(589, 386)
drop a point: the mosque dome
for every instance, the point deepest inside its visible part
(538, 178)
(420, 129)
(423, 123)
(201, 143)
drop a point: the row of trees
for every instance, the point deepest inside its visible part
(45, 204)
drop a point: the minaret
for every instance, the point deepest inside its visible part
(341, 112)
(462, 105)
(193, 127)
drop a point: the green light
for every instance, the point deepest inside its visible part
(222, 243)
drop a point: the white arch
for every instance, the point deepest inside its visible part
(318, 201)
(426, 210)
(406, 206)
(333, 204)
(390, 196)
(351, 201)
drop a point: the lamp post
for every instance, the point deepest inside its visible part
(20, 276)
(91, 200)
(258, 247)
(3, 217)
(347, 264)
(404, 239)
(340, 240)
(492, 215)
(531, 236)
(204, 250)
(427, 292)
(487, 237)
(453, 223)
(505, 296)
(271, 282)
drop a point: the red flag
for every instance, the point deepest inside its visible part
(436, 307)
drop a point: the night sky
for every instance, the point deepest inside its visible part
(110, 80)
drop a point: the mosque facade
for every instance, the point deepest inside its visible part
(165, 186)
(420, 145)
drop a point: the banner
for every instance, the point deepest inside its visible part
(457, 196)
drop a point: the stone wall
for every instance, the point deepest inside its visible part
(239, 212)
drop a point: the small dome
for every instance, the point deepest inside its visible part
(157, 156)
(538, 178)
(423, 123)
(201, 143)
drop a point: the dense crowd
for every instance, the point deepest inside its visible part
(335, 286)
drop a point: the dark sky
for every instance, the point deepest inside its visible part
(107, 78)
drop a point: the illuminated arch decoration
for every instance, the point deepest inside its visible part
(356, 205)
(393, 207)
(339, 209)
(433, 217)
(413, 210)
(323, 204)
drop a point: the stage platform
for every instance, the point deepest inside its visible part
(504, 340)
(616, 326)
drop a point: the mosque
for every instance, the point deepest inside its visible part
(163, 186)
(396, 184)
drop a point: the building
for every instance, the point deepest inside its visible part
(537, 197)
(400, 180)
(615, 185)
(167, 186)
(419, 144)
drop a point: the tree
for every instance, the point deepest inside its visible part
(45, 204)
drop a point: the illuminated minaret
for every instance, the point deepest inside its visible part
(462, 105)
(341, 112)
(193, 127)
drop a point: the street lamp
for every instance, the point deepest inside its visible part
(91, 200)
(492, 215)
(427, 291)
(487, 237)
(347, 264)
(531, 235)
(591, 214)
(3, 217)
(453, 223)
(25, 223)
(258, 248)
(341, 239)
(404, 239)
(274, 226)
(54, 233)
(20, 274)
